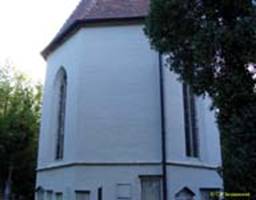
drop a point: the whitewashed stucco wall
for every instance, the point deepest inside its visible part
(90, 178)
(113, 117)
(113, 102)
(119, 96)
(209, 140)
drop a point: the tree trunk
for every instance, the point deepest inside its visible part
(8, 185)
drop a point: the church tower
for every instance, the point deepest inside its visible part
(116, 124)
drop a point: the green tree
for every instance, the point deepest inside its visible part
(210, 44)
(19, 122)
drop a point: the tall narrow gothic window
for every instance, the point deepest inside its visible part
(61, 108)
(191, 131)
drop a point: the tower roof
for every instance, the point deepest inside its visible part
(93, 11)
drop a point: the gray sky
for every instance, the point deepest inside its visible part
(26, 28)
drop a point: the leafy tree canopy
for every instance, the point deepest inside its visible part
(19, 121)
(211, 44)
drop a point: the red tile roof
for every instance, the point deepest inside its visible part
(89, 11)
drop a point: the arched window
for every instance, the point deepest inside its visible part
(61, 93)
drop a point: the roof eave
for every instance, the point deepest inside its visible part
(59, 40)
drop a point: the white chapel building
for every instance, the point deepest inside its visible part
(116, 123)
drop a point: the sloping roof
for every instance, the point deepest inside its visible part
(89, 11)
